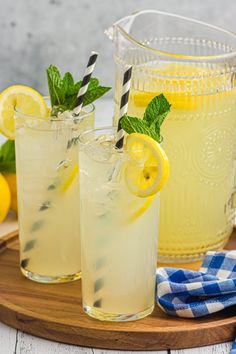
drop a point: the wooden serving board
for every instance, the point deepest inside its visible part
(55, 312)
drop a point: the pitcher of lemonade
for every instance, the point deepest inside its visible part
(194, 65)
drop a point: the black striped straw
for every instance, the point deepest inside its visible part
(101, 262)
(80, 98)
(123, 106)
(85, 82)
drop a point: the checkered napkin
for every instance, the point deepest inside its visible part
(187, 293)
(233, 350)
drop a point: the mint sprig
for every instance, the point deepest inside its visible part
(136, 125)
(7, 157)
(64, 90)
(153, 117)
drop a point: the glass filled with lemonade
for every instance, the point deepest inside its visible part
(46, 132)
(194, 65)
(119, 225)
(48, 194)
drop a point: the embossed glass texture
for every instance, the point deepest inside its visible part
(194, 65)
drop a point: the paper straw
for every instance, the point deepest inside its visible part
(85, 82)
(123, 106)
(76, 112)
(80, 98)
(100, 263)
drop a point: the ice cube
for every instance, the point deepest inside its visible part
(65, 115)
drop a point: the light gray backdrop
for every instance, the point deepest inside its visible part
(35, 33)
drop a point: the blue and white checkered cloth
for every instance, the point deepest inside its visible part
(233, 350)
(187, 293)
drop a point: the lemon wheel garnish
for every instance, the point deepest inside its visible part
(22, 98)
(148, 168)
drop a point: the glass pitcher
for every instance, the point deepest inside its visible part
(194, 65)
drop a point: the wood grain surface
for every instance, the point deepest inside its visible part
(15, 342)
(55, 312)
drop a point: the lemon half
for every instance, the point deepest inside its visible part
(11, 180)
(5, 198)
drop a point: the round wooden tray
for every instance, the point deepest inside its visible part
(55, 312)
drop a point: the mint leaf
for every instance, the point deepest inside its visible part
(94, 94)
(93, 83)
(157, 110)
(55, 85)
(77, 86)
(154, 116)
(7, 157)
(136, 125)
(63, 92)
(9, 166)
(7, 151)
(71, 102)
(156, 128)
(69, 86)
(71, 97)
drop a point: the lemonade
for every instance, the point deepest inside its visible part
(119, 228)
(48, 195)
(197, 210)
(46, 133)
(193, 64)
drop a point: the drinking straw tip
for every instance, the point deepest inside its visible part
(85, 82)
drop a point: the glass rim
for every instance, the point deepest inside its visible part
(106, 127)
(175, 55)
(52, 119)
(89, 131)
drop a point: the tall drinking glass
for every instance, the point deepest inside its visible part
(194, 65)
(48, 195)
(118, 233)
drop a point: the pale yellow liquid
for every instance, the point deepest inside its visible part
(118, 249)
(199, 134)
(48, 195)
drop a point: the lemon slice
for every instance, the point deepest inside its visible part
(24, 98)
(148, 168)
(70, 179)
(177, 101)
(186, 87)
(140, 210)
